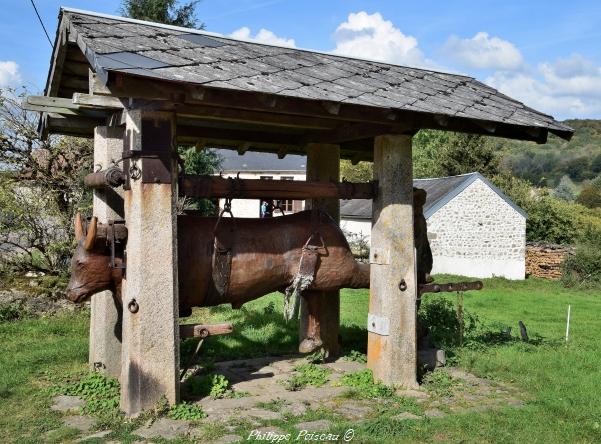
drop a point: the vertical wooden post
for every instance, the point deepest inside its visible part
(150, 363)
(392, 344)
(106, 316)
(320, 311)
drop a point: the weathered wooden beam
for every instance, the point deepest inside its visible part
(204, 330)
(95, 85)
(94, 101)
(73, 81)
(123, 85)
(219, 187)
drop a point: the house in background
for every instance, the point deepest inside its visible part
(474, 229)
(253, 165)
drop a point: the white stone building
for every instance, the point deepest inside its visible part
(252, 165)
(474, 229)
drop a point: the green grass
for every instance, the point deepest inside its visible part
(562, 383)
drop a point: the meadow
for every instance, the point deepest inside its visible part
(560, 381)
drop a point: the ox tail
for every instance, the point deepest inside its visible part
(360, 277)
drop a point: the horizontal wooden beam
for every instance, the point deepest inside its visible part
(204, 330)
(95, 101)
(220, 187)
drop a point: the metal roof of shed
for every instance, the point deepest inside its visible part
(440, 190)
(117, 45)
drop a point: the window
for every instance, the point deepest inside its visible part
(287, 204)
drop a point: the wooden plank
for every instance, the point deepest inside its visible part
(204, 330)
(218, 187)
(74, 82)
(94, 101)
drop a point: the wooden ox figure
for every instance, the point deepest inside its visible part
(241, 260)
(237, 260)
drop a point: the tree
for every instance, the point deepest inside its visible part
(466, 153)
(565, 189)
(361, 172)
(590, 196)
(204, 162)
(596, 164)
(162, 11)
(40, 188)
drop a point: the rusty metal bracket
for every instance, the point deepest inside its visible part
(113, 243)
(156, 166)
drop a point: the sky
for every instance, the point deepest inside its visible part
(544, 53)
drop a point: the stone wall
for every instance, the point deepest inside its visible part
(544, 260)
(478, 234)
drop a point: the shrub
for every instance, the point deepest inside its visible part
(100, 392)
(583, 268)
(446, 324)
(186, 412)
(12, 311)
(307, 374)
(363, 382)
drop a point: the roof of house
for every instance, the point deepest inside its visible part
(252, 161)
(440, 191)
(161, 52)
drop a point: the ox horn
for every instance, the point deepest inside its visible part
(78, 227)
(91, 236)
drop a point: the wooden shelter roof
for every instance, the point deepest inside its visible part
(189, 66)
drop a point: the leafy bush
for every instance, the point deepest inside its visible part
(439, 382)
(12, 311)
(100, 392)
(446, 326)
(583, 268)
(363, 382)
(214, 385)
(356, 356)
(307, 374)
(186, 412)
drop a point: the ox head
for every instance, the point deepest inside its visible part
(90, 265)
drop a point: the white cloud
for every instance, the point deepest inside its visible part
(483, 52)
(9, 74)
(370, 36)
(566, 88)
(263, 36)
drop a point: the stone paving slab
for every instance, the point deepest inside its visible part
(81, 423)
(65, 403)
(96, 435)
(321, 425)
(164, 428)
(261, 379)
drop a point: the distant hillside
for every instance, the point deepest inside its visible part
(544, 165)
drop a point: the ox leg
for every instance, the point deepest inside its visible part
(320, 311)
(310, 313)
(105, 318)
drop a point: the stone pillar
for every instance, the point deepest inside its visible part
(392, 343)
(106, 316)
(150, 362)
(320, 310)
